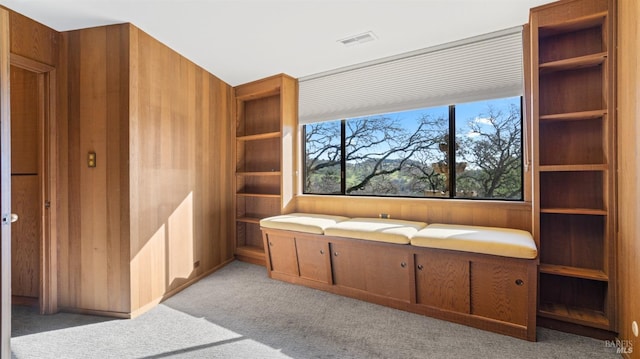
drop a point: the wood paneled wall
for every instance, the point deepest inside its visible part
(181, 170)
(155, 213)
(480, 213)
(629, 171)
(33, 40)
(94, 261)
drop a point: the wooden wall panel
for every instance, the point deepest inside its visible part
(25, 237)
(33, 40)
(180, 162)
(629, 171)
(94, 261)
(156, 212)
(24, 121)
(482, 213)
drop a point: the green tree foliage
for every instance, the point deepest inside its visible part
(494, 155)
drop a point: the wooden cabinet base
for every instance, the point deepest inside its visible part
(492, 293)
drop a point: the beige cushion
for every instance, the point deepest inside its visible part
(301, 222)
(488, 240)
(376, 229)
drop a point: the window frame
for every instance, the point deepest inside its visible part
(451, 177)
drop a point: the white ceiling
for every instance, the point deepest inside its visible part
(245, 40)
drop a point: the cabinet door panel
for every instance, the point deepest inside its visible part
(313, 259)
(500, 292)
(442, 281)
(387, 272)
(282, 253)
(348, 263)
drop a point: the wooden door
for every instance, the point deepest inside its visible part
(25, 184)
(5, 190)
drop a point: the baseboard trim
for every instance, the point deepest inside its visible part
(151, 304)
(576, 329)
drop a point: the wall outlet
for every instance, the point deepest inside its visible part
(385, 215)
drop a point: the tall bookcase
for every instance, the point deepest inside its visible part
(266, 119)
(573, 107)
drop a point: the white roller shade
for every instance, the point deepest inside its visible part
(480, 68)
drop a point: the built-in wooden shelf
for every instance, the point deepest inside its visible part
(586, 211)
(258, 174)
(259, 195)
(266, 111)
(584, 273)
(249, 219)
(579, 23)
(573, 168)
(573, 67)
(572, 314)
(259, 136)
(250, 252)
(573, 63)
(573, 116)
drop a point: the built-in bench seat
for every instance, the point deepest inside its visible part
(503, 242)
(302, 222)
(484, 277)
(376, 229)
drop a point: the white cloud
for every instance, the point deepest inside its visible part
(483, 120)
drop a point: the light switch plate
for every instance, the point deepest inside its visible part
(91, 159)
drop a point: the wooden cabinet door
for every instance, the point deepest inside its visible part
(314, 258)
(387, 272)
(442, 281)
(348, 264)
(378, 269)
(282, 253)
(499, 291)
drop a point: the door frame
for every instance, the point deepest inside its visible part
(5, 187)
(47, 159)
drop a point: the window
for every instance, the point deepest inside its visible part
(471, 150)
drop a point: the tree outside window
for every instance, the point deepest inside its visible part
(413, 154)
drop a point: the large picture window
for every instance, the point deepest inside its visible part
(471, 150)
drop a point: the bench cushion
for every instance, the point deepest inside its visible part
(376, 229)
(301, 222)
(487, 240)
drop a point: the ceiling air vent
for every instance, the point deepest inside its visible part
(358, 39)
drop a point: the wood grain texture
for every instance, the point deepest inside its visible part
(479, 213)
(5, 185)
(35, 49)
(501, 297)
(495, 292)
(181, 171)
(282, 253)
(443, 282)
(154, 214)
(25, 124)
(33, 40)
(575, 114)
(629, 168)
(550, 15)
(314, 258)
(25, 236)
